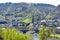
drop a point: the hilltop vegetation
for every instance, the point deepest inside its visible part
(25, 9)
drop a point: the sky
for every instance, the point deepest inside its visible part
(53, 2)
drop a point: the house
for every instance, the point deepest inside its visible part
(58, 20)
(43, 22)
(2, 18)
(14, 23)
(58, 30)
(50, 23)
(3, 23)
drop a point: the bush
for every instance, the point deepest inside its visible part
(44, 33)
(13, 34)
(1, 33)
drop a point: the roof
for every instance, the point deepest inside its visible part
(43, 20)
(58, 27)
(2, 18)
(3, 22)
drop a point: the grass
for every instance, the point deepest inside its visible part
(55, 35)
(27, 20)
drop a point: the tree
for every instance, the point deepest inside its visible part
(49, 16)
(13, 34)
(1, 33)
(44, 33)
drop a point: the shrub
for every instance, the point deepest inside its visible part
(13, 34)
(44, 33)
(1, 33)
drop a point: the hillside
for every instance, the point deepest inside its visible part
(24, 10)
(56, 12)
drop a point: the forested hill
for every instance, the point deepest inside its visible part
(56, 12)
(25, 9)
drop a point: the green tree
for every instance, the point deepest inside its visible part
(49, 16)
(44, 33)
(13, 34)
(1, 33)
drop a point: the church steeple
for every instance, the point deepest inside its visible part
(33, 20)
